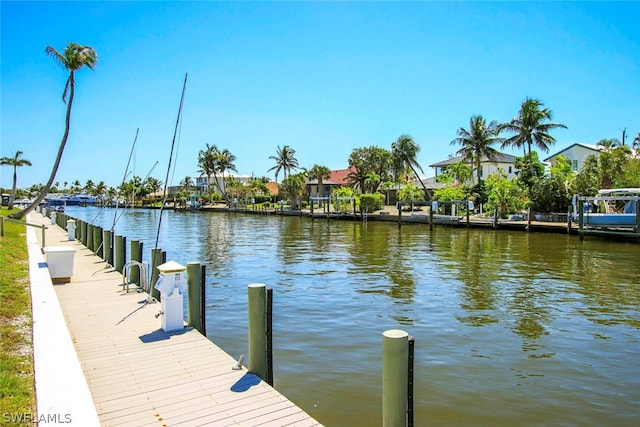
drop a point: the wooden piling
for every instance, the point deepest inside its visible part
(107, 247)
(85, 226)
(195, 281)
(97, 241)
(120, 252)
(395, 371)
(257, 293)
(89, 243)
(156, 260)
(136, 255)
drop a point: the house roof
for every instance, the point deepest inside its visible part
(337, 177)
(274, 188)
(430, 183)
(500, 158)
(591, 147)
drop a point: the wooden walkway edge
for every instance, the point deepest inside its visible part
(139, 375)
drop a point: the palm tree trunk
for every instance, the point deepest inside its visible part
(424, 187)
(52, 177)
(13, 189)
(530, 159)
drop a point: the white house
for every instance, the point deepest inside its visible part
(576, 153)
(504, 162)
(202, 182)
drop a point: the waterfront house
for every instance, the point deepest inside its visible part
(576, 153)
(202, 181)
(504, 162)
(337, 178)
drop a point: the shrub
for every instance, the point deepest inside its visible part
(371, 202)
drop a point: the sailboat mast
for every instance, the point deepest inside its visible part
(173, 143)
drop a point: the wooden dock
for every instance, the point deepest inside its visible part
(139, 375)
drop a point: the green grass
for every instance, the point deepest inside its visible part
(17, 393)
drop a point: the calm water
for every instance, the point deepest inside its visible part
(511, 328)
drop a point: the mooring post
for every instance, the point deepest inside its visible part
(529, 219)
(468, 211)
(136, 255)
(97, 241)
(581, 219)
(107, 249)
(156, 260)
(120, 252)
(43, 236)
(195, 315)
(399, 205)
(259, 331)
(89, 244)
(397, 386)
(495, 218)
(78, 230)
(83, 233)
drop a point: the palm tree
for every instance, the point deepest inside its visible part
(404, 151)
(186, 183)
(207, 162)
(90, 187)
(530, 128)
(285, 160)
(16, 162)
(636, 141)
(319, 173)
(224, 162)
(476, 142)
(73, 58)
(608, 144)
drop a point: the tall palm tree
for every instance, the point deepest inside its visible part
(73, 58)
(90, 187)
(186, 183)
(207, 162)
(225, 162)
(285, 160)
(16, 162)
(319, 173)
(476, 142)
(531, 127)
(404, 151)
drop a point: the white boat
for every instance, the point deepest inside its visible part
(610, 208)
(81, 200)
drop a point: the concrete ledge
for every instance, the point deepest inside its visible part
(62, 394)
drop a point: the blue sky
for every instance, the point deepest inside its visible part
(321, 77)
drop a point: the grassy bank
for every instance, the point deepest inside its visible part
(17, 394)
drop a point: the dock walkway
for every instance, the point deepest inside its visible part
(136, 373)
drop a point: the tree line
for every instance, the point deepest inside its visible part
(374, 170)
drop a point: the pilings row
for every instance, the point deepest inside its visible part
(397, 345)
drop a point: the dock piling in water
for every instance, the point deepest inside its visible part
(259, 330)
(397, 384)
(195, 281)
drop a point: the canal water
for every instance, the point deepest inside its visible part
(510, 328)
